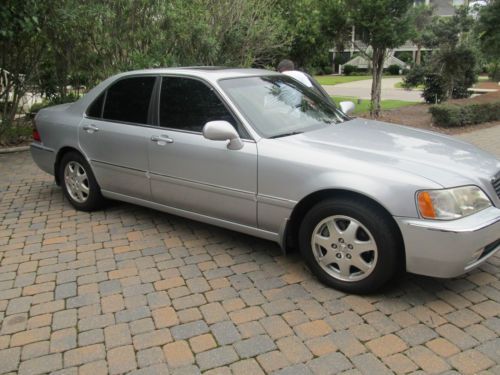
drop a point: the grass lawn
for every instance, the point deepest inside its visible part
(364, 106)
(335, 80)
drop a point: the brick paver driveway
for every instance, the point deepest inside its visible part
(133, 290)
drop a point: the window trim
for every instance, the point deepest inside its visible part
(105, 91)
(156, 105)
(247, 137)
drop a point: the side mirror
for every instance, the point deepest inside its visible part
(223, 131)
(347, 107)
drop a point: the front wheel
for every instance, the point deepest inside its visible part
(78, 183)
(350, 245)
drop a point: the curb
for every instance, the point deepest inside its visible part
(9, 150)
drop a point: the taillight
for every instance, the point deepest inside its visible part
(36, 135)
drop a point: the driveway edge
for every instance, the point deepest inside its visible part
(9, 150)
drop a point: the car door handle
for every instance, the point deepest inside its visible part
(162, 139)
(90, 128)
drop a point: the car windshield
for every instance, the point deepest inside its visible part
(278, 106)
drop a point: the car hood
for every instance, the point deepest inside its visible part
(442, 159)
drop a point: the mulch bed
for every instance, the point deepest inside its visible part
(418, 116)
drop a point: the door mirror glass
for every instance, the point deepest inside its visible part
(223, 131)
(347, 107)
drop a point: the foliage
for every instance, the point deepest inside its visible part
(458, 68)
(421, 17)
(349, 69)
(488, 30)
(381, 32)
(452, 115)
(70, 98)
(313, 26)
(20, 52)
(405, 56)
(435, 88)
(414, 77)
(55, 47)
(362, 106)
(335, 80)
(493, 70)
(393, 69)
(453, 65)
(20, 131)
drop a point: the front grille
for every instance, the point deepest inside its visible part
(496, 184)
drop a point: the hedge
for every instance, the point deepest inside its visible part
(453, 115)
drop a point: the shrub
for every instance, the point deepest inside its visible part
(327, 69)
(414, 77)
(349, 69)
(453, 115)
(435, 88)
(393, 69)
(405, 56)
(38, 106)
(70, 98)
(494, 71)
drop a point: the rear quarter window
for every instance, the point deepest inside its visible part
(95, 109)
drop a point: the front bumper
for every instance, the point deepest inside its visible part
(43, 156)
(450, 248)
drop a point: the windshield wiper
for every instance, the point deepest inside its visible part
(285, 135)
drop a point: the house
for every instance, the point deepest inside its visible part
(443, 8)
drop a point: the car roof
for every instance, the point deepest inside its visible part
(211, 73)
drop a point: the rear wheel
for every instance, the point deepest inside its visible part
(350, 245)
(78, 183)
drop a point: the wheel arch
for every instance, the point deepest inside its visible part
(63, 151)
(306, 203)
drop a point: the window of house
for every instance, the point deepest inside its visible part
(128, 100)
(188, 104)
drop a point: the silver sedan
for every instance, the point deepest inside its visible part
(257, 152)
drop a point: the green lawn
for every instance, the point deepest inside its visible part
(364, 106)
(335, 80)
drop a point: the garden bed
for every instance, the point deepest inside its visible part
(20, 134)
(418, 115)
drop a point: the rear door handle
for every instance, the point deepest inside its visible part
(90, 128)
(162, 139)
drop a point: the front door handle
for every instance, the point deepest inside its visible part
(90, 128)
(162, 139)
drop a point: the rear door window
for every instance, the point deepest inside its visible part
(128, 100)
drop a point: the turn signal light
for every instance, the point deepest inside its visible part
(425, 205)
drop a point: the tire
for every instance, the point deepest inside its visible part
(78, 182)
(362, 254)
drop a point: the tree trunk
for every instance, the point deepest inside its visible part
(378, 69)
(418, 55)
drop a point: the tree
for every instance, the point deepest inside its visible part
(421, 18)
(382, 25)
(488, 31)
(20, 52)
(455, 53)
(313, 26)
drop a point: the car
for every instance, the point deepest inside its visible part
(256, 152)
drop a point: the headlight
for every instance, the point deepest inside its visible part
(454, 203)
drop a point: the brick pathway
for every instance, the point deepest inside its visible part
(133, 290)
